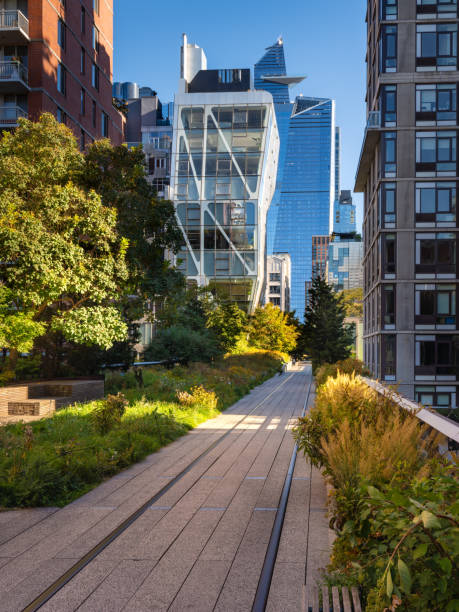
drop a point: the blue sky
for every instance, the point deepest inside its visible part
(324, 39)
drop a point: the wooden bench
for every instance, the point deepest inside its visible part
(336, 599)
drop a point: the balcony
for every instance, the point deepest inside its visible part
(370, 140)
(14, 78)
(14, 28)
(9, 116)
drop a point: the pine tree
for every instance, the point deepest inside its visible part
(325, 337)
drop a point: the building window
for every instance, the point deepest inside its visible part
(389, 306)
(275, 289)
(82, 102)
(436, 153)
(436, 46)
(389, 49)
(389, 354)
(95, 39)
(160, 162)
(389, 9)
(61, 79)
(229, 76)
(389, 154)
(275, 301)
(436, 397)
(436, 104)
(61, 33)
(94, 113)
(389, 253)
(95, 77)
(82, 140)
(104, 125)
(388, 198)
(436, 254)
(436, 203)
(437, 8)
(274, 277)
(436, 305)
(82, 61)
(61, 116)
(83, 20)
(95, 6)
(389, 105)
(436, 356)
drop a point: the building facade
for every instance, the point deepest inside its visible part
(57, 57)
(224, 164)
(344, 263)
(408, 173)
(278, 281)
(303, 202)
(344, 215)
(319, 255)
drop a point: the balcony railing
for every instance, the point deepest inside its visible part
(13, 71)
(9, 115)
(13, 20)
(370, 139)
(374, 120)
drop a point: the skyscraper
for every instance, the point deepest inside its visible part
(224, 165)
(302, 203)
(58, 58)
(408, 171)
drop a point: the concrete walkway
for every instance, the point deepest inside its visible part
(202, 545)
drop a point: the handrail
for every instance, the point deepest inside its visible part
(13, 70)
(440, 423)
(13, 19)
(10, 114)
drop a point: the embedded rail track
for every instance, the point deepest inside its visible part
(264, 584)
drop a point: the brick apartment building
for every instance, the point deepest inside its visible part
(57, 56)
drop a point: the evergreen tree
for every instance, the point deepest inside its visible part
(325, 337)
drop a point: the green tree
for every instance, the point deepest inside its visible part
(185, 344)
(272, 329)
(325, 337)
(62, 259)
(229, 323)
(353, 302)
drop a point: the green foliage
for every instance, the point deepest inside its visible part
(346, 366)
(198, 396)
(108, 413)
(271, 329)
(184, 344)
(324, 336)
(229, 323)
(53, 461)
(353, 302)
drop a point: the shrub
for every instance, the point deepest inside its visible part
(109, 413)
(346, 366)
(185, 344)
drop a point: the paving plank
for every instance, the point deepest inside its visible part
(286, 591)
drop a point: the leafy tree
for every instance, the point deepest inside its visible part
(325, 337)
(229, 323)
(185, 344)
(353, 302)
(272, 329)
(63, 261)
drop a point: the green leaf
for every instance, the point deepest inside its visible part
(389, 584)
(374, 493)
(429, 520)
(445, 565)
(398, 499)
(453, 606)
(405, 576)
(420, 551)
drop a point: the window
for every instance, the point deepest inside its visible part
(95, 77)
(94, 113)
(436, 104)
(104, 125)
(435, 305)
(388, 197)
(389, 352)
(436, 153)
(61, 79)
(389, 306)
(230, 76)
(437, 8)
(160, 162)
(388, 49)
(389, 105)
(274, 289)
(436, 254)
(83, 20)
(61, 33)
(82, 61)
(389, 154)
(95, 39)
(82, 140)
(274, 277)
(436, 356)
(82, 102)
(436, 397)
(61, 116)
(275, 301)
(436, 46)
(95, 6)
(436, 203)
(389, 241)
(388, 9)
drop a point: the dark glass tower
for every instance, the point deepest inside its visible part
(302, 204)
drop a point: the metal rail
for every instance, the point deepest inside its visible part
(58, 584)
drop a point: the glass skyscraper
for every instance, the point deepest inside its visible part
(303, 201)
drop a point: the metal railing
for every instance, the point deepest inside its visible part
(9, 115)
(374, 120)
(13, 71)
(11, 20)
(445, 426)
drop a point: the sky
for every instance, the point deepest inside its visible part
(323, 39)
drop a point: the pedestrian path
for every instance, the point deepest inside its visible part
(202, 543)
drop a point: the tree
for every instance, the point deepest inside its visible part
(229, 323)
(271, 329)
(353, 302)
(325, 337)
(62, 261)
(185, 344)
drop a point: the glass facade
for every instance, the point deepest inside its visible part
(306, 176)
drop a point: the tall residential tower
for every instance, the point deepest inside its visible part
(408, 173)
